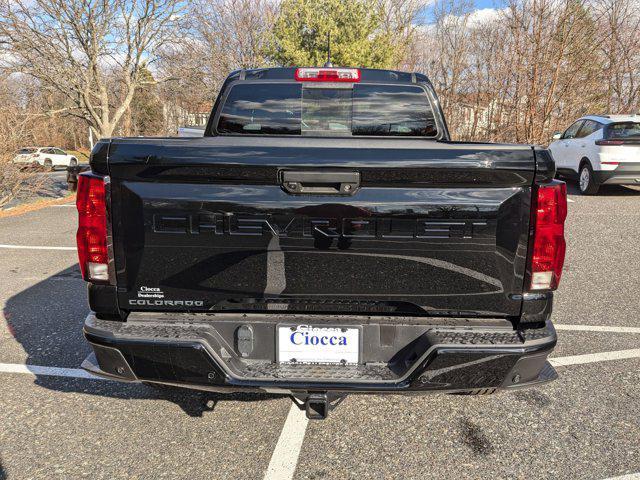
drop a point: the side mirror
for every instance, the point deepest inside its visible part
(557, 135)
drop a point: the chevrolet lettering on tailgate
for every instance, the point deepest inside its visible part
(303, 226)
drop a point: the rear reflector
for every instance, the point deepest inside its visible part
(610, 142)
(92, 228)
(547, 255)
(327, 75)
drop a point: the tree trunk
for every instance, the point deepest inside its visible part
(105, 131)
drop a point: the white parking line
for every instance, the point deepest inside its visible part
(630, 476)
(285, 456)
(596, 328)
(35, 247)
(64, 205)
(570, 201)
(594, 357)
(35, 370)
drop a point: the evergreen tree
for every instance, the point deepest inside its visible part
(146, 108)
(299, 36)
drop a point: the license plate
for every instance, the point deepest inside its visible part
(309, 344)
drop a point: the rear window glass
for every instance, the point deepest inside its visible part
(326, 111)
(271, 109)
(296, 109)
(623, 130)
(392, 110)
(26, 151)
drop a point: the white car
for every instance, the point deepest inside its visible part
(48, 157)
(599, 150)
(191, 131)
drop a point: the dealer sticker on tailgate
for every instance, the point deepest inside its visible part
(309, 344)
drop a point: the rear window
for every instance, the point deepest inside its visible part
(623, 130)
(26, 151)
(269, 109)
(392, 110)
(326, 111)
(318, 110)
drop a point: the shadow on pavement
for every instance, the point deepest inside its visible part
(46, 320)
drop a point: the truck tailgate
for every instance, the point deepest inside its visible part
(209, 224)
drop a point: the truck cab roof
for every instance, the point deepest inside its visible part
(367, 75)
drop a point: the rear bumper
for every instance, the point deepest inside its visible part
(198, 351)
(624, 174)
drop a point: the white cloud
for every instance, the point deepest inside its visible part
(473, 19)
(484, 15)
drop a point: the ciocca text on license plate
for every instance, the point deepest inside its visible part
(310, 344)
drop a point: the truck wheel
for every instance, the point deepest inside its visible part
(48, 165)
(587, 181)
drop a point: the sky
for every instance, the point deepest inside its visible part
(484, 4)
(427, 17)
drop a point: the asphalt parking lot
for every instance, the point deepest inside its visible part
(57, 423)
(43, 186)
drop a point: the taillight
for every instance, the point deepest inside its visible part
(609, 142)
(327, 75)
(92, 228)
(549, 246)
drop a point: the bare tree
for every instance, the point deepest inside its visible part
(529, 68)
(399, 19)
(14, 132)
(217, 37)
(233, 32)
(620, 25)
(516, 72)
(89, 51)
(447, 45)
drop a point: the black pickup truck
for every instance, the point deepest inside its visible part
(324, 237)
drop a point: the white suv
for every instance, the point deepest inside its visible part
(599, 149)
(48, 157)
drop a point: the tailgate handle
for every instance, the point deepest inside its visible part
(320, 183)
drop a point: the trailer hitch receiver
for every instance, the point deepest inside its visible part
(317, 404)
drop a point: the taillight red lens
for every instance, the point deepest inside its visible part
(609, 142)
(92, 228)
(327, 75)
(549, 246)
